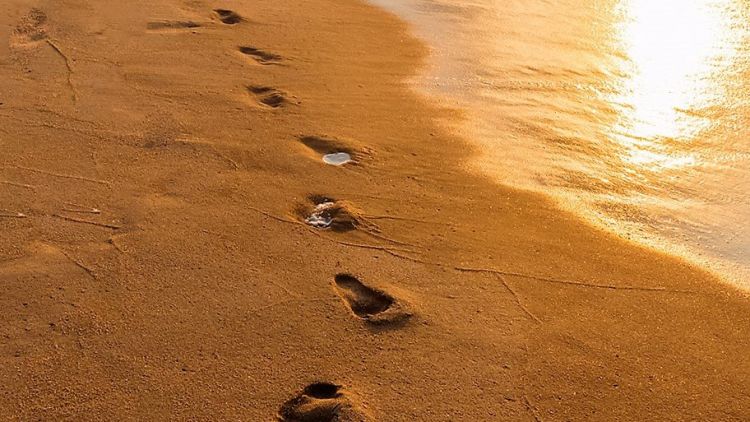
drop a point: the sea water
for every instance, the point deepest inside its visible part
(632, 113)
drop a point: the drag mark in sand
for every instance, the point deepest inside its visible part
(389, 250)
(322, 402)
(32, 31)
(341, 217)
(81, 209)
(113, 241)
(89, 222)
(13, 215)
(60, 175)
(532, 409)
(68, 66)
(569, 282)
(17, 185)
(262, 309)
(397, 253)
(79, 264)
(518, 299)
(573, 283)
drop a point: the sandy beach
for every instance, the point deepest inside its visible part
(160, 163)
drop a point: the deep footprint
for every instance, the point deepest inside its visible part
(268, 97)
(262, 57)
(321, 402)
(332, 152)
(372, 305)
(228, 17)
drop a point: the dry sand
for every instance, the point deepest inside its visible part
(163, 162)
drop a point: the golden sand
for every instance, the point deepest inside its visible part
(159, 160)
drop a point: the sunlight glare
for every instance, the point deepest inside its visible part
(676, 52)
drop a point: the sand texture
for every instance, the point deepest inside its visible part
(159, 163)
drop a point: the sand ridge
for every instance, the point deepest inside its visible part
(157, 264)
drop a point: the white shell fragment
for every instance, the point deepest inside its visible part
(337, 158)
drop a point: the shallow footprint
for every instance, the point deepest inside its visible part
(325, 213)
(260, 56)
(268, 97)
(372, 305)
(164, 25)
(31, 29)
(228, 17)
(321, 402)
(332, 152)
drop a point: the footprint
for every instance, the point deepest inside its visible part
(372, 305)
(322, 402)
(31, 29)
(331, 151)
(268, 97)
(325, 213)
(260, 56)
(162, 25)
(228, 17)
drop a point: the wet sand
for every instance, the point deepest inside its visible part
(159, 162)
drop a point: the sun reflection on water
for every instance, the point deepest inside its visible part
(676, 52)
(633, 114)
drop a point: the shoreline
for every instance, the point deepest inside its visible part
(443, 71)
(197, 291)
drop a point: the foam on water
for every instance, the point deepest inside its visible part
(321, 216)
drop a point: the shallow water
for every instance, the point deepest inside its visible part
(321, 217)
(632, 113)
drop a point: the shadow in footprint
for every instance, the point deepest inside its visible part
(321, 402)
(331, 151)
(260, 56)
(228, 17)
(268, 97)
(31, 29)
(164, 25)
(372, 305)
